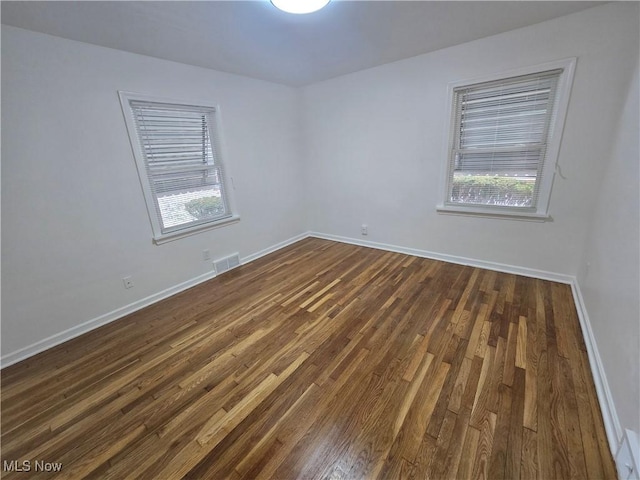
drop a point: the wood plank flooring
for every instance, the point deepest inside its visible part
(322, 360)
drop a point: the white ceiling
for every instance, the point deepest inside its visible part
(255, 39)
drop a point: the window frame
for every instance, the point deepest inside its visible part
(215, 134)
(545, 183)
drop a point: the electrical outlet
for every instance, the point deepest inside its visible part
(206, 255)
(364, 229)
(128, 282)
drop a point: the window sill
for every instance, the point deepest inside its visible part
(170, 237)
(491, 213)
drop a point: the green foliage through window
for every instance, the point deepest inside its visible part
(206, 207)
(493, 190)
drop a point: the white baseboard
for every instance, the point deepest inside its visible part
(65, 335)
(607, 406)
(628, 457)
(624, 443)
(273, 248)
(610, 417)
(70, 333)
(499, 267)
(611, 422)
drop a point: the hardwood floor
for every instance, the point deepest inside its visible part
(322, 360)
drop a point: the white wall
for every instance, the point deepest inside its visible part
(611, 285)
(375, 142)
(362, 148)
(73, 214)
(375, 153)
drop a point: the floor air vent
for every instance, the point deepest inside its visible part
(226, 263)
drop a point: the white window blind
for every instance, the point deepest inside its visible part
(177, 152)
(501, 132)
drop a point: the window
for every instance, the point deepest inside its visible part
(504, 142)
(177, 152)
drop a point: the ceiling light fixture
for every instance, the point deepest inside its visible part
(300, 6)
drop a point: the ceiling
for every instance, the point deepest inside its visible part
(255, 39)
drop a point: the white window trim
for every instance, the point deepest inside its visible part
(158, 236)
(541, 213)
